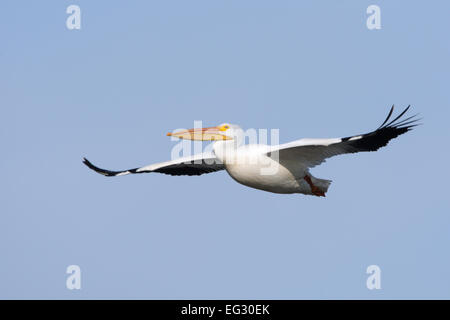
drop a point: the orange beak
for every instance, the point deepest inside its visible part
(200, 134)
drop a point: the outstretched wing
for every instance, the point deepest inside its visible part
(313, 152)
(189, 166)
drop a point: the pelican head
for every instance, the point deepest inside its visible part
(224, 131)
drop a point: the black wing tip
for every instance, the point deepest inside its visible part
(387, 118)
(88, 163)
(387, 131)
(104, 172)
(407, 123)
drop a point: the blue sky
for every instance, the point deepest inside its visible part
(112, 90)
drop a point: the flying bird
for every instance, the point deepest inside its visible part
(280, 168)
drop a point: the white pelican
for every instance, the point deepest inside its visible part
(292, 161)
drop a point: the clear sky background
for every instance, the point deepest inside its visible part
(138, 69)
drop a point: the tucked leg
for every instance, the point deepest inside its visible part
(315, 190)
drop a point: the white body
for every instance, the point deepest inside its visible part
(251, 166)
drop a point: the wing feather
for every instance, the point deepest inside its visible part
(190, 166)
(313, 152)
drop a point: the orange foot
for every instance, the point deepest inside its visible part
(315, 190)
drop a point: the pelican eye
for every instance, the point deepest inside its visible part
(224, 127)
